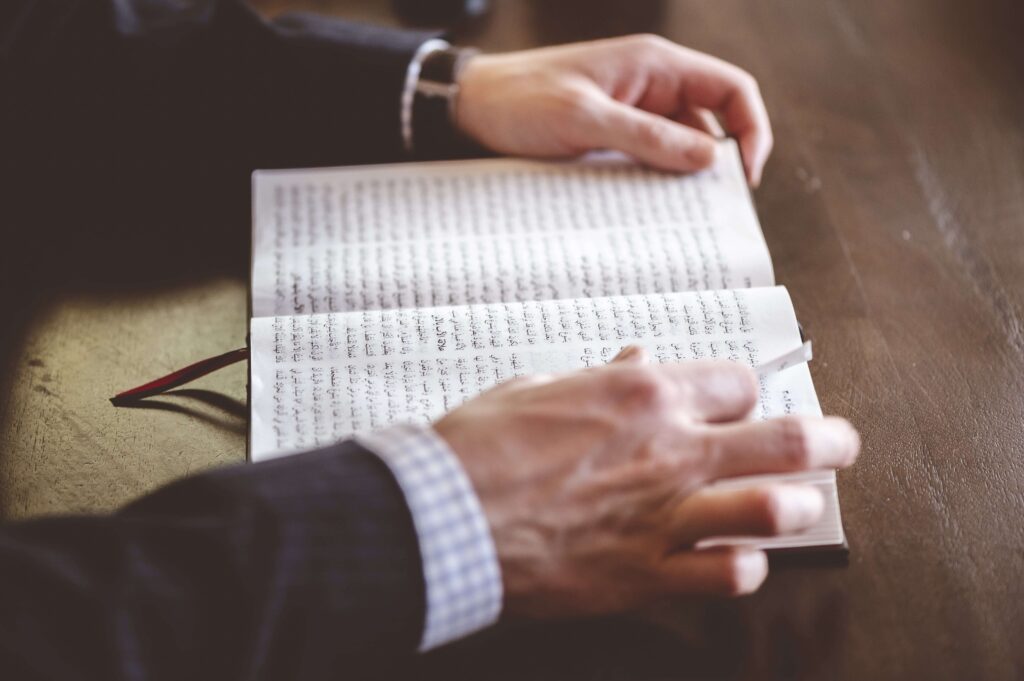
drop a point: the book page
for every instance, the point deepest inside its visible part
(320, 378)
(498, 230)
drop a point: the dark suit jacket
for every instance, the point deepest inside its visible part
(300, 568)
(139, 122)
(128, 116)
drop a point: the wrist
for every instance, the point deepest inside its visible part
(472, 79)
(460, 566)
(502, 480)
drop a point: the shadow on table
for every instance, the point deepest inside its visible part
(83, 241)
(235, 412)
(117, 249)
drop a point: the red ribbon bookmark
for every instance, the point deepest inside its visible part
(181, 376)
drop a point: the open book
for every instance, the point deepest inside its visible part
(385, 294)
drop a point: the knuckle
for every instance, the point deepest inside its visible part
(749, 388)
(574, 100)
(746, 81)
(644, 388)
(650, 390)
(654, 134)
(794, 443)
(647, 41)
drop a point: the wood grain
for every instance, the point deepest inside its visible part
(894, 210)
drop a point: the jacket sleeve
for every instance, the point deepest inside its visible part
(160, 102)
(203, 80)
(296, 568)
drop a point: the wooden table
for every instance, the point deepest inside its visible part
(894, 210)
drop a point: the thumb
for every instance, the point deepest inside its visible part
(649, 138)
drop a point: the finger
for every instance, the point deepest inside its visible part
(753, 512)
(708, 391)
(723, 88)
(791, 443)
(649, 138)
(701, 119)
(721, 571)
(715, 391)
(631, 354)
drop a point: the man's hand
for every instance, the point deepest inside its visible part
(594, 483)
(642, 95)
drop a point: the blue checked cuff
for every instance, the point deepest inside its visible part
(460, 565)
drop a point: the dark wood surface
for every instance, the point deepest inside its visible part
(894, 210)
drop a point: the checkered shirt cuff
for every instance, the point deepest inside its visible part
(460, 565)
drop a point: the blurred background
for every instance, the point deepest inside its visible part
(499, 24)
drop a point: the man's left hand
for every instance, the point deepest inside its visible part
(642, 95)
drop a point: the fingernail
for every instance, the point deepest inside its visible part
(854, 443)
(844, 438)
(802, 506)
(752, 568)
(831, 442)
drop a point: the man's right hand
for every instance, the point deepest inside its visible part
(595, 483)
